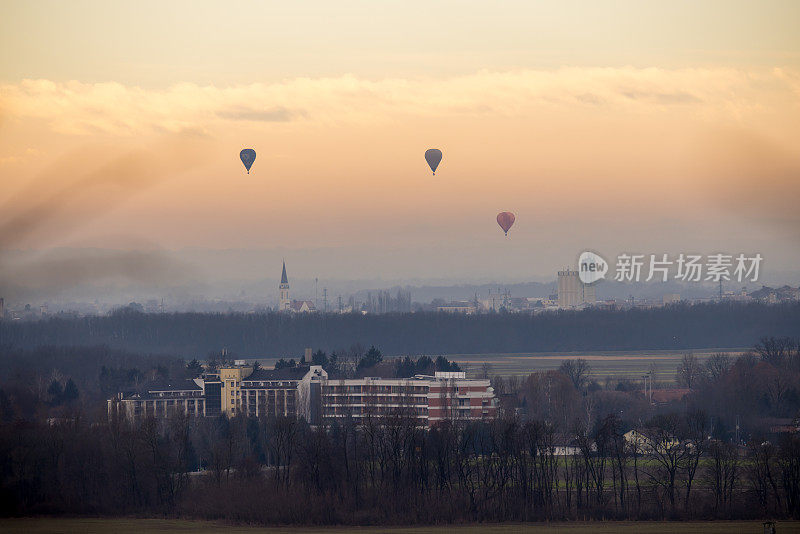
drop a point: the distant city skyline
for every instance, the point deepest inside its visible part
(262, 292)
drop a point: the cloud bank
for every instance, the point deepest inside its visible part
(77, 108)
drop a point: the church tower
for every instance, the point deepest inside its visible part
(284, 289)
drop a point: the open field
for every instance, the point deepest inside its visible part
(157, 526)
(626, 364)
(617, 364)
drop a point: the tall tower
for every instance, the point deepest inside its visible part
(284, 289)
(569, 289)
(572, 292)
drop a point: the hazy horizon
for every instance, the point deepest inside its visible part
(64, 278)
(647, 129)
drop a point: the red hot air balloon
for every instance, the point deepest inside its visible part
(505, 220)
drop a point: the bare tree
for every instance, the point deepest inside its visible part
(668, 452)
(762, 473)
(486, 370)
(724, 473)
(789, 465)
(689, 371)
(695, 439)
(775, 351)
(717, 366)
(577, 371)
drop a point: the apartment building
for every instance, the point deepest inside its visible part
(429, 399)
(307, 392)
(287, 392)
(161, 400)
(231, 387)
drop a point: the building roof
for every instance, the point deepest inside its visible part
(297, 305)
(285, 373)
(174, 385)
(284, 279)
(155, 396)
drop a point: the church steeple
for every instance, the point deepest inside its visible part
(284, 303)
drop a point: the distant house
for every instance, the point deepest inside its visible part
(648, 444)
(771, 295)
(783, 425)
(302, 306)
(457, 307)
(568, 450)
(634, 437)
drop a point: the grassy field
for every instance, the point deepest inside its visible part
(630, 364)
(155, 526)
(617, 364)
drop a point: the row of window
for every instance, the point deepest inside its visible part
(167, 402)
(364, 399)
(373, 389)
(177, 393)
(250, 384)
(162, 408)
(358, 410)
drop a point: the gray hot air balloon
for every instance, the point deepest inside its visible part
(433, 156)
(248, 156)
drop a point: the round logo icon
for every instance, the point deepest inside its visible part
(591, 267)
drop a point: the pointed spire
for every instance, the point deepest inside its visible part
(284, 279)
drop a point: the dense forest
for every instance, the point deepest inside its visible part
(266, 335)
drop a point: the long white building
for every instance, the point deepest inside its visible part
(307, 392)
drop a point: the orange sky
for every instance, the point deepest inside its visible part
(616, 145)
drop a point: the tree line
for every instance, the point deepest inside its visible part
(191, 335)
(391, 471)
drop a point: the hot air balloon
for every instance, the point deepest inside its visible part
(433, 156)
(506, 220)
(248, 156)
